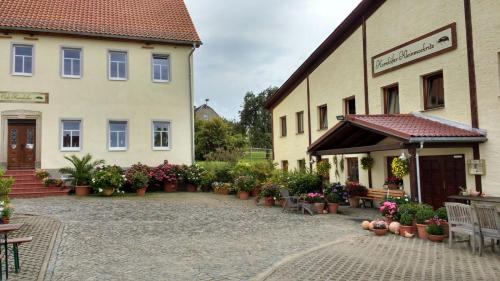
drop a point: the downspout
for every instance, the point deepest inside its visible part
(191, 100)
(417, 160)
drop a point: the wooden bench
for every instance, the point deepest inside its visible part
(379, 194)
(15, 242)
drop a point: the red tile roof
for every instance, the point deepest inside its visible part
(147, 20)
(408, 125)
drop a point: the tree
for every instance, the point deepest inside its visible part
(217, 136)
(255, 120)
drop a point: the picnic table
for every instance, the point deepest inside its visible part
(4, 230)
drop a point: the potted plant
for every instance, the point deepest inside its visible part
(380, 228)
(318, 201)
(244, 185)
(354, 191)
(41, 174)
(221, 188)
(400, 166)
(443, 216)
(269, 192)
(406, 222)
(367, 162)
(424, 213)
(393, 182)
(193, 175)
(81, 172)
(137, 177)
(323, 169)
(207, 178)
(6, 213)
(389, 210)
(332, 199)
(107, 180)
(435, 230)
(165, 174)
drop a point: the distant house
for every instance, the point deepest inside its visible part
(205, 112)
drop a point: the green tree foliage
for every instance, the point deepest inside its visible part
(255, 120)
(217, 137)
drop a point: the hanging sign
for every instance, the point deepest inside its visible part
(426, 46)
(24, 97)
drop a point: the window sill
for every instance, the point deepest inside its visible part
(300, 133)
(117, 79)
(282, 137)
(117, 149)
(161, 148)
(74, 149)
(162, 81)
(432, 109)
(322, 129)
(71, 77)
(23, 74)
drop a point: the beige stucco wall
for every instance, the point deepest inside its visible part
(486, 26)
(95, 99)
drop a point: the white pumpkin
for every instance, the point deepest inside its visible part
(394, 227)
(365, 225)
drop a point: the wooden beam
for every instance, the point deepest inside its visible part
(471, 65)
(360, 149)
(477, 156)
(370, 183)
(413, 173)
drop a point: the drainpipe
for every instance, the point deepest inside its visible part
(417, 158)
(191, 100)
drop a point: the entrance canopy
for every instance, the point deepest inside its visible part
(363, 133)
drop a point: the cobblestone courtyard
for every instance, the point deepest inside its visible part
(186, 236)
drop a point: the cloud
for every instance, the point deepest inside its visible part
(250, 45)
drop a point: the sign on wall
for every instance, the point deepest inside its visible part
(24, 97)
(477, 167)
(426, 46)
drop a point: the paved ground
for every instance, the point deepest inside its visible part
(187, 236)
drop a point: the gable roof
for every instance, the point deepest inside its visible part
(165, 21)
(361, 130)
(353, 21)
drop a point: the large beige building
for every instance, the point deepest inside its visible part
(78, 77)
(400, 76)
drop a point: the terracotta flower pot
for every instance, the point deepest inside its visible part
(82, 190)
(354, 202)
(191, 187)
(446, 229)
(333, 208)
(422, 232)
(319, 207)
(141, 191)
(406, 229)
(169, 187)
(255, 192)
(393, 186)
(269, 201)
(380, 232)
(243, 195)
(5, 220)
(108, 192)
(436, 238)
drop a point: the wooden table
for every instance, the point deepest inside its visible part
(5, 229)
(469, 199)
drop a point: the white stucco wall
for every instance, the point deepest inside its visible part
(94, 99)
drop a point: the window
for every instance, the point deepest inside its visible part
(283, 126)
(284, 165)
(22, 60)
(205, 116)
(323, 117)
(118, 133)
(350, 105)
(70, 135)
(117, 65)
(71, 62)
(352, 169)
(161, 137)
(301, 163)
(391, 100)
(300, 122)
(433, 91)
(161, 68)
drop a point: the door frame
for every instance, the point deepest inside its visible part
(4, 126)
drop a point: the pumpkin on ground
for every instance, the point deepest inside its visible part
(394, 227)
(365, 225)
(372, 225)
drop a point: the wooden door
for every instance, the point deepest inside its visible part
(440, 177)
(352, 169)
(21, 148)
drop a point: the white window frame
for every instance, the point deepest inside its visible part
(61, 135)
(109, 65)
(169, 68)
(125, 148)
(13, 58)
(72, 62)
(169, 135)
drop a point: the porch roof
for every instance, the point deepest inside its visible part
(363, 133)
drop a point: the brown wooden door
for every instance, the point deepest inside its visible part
(21, 151)
(440, 177)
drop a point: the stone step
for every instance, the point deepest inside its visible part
(19, 172)
(27, 185)
(37, 194)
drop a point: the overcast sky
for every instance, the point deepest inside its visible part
(251, 45)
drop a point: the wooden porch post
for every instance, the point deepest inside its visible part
(477, 156)
(413, 173)
(370, 185)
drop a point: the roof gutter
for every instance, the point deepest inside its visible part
(191, 101)
(98, 35)
(448, 139)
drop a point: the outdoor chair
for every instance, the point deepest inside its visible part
(291, 203)
(461, 220)
(489, 224)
